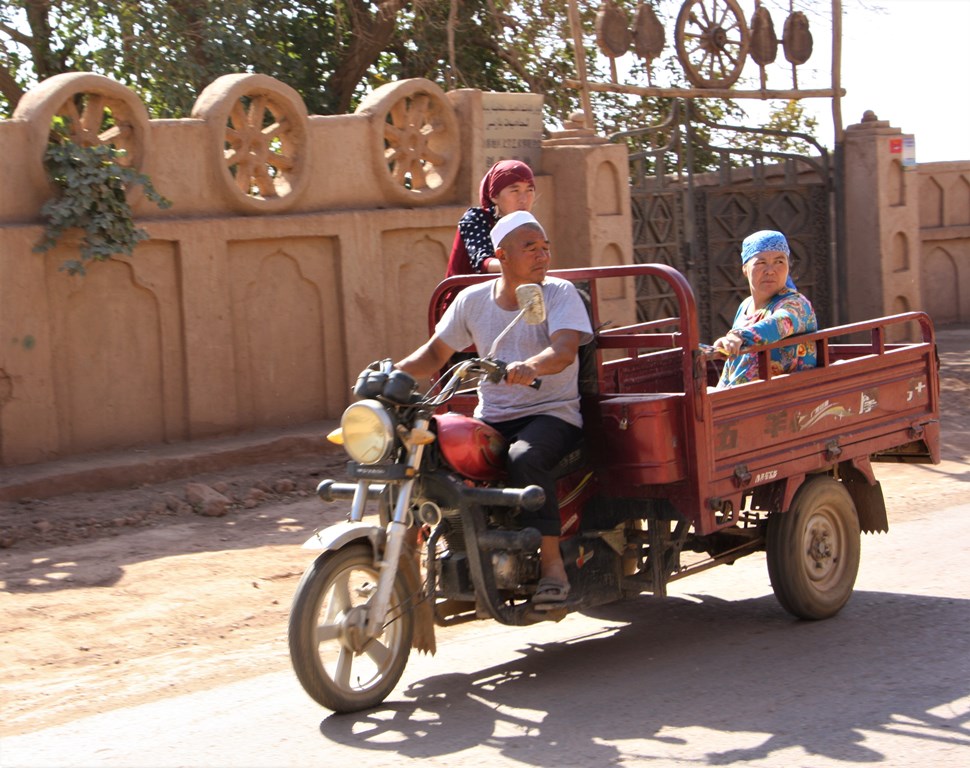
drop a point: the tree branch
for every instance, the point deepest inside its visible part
(452, 73)
(16, 35)
(38, 19)
(10, 89)
(371, 34)
(508, 54)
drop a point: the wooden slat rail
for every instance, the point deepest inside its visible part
(824, 339)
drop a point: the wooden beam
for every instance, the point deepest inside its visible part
(701, 93)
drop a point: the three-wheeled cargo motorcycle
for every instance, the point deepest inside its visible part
(673, 477)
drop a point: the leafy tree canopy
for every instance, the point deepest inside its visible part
(332, 51)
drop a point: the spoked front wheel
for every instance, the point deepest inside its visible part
(814, 550)
(335, 661)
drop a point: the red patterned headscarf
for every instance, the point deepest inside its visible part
(501, 175)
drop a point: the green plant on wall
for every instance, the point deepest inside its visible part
(93, 187)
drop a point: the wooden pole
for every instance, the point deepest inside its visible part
(840, 274)
(577, 30)
(837, 91)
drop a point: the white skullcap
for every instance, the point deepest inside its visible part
(513, 221)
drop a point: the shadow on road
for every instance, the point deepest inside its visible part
(890, 663)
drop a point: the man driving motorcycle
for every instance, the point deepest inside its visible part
(542, 423)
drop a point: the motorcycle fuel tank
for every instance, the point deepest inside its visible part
(471, 447)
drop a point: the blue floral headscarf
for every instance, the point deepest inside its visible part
(766, 240)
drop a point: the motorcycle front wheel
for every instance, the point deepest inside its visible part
(336, 663)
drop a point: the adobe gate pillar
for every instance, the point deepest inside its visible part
(594, 221)
(882, 220)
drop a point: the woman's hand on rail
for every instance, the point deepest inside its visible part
(710, 352)
(729, 344)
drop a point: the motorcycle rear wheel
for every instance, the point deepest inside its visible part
(336, 666)
(813, 550)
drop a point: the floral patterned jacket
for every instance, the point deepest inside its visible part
(787, 313)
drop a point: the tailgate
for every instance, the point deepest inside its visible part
(882, 403)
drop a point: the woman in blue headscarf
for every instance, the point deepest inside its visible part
(773, 311)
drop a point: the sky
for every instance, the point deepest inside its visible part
(906, 60)
(910, 64)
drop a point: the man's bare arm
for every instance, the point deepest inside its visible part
(427, 359)
(562, 350)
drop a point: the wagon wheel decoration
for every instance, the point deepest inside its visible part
(93, 119)
(259, 127)
(416, 140)
(711, 38)
(94, 109)
(259, 147)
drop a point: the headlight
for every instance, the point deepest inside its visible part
(368, 432)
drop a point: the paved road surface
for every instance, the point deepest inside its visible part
(715, 675)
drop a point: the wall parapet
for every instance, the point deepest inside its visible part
(298, 248)
(250, 147)
(944, 232)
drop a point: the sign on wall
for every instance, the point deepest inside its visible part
(513, 128)
(905, 148)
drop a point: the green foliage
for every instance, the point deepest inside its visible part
(331, 51)
(667, 144)
(508, 46)
(783, 121)
(93, 197)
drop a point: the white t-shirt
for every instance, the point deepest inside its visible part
(475, 318)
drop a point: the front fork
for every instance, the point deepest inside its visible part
(397, 530)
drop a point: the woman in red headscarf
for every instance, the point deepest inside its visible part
(508, 186)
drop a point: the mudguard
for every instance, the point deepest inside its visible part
(338, 535)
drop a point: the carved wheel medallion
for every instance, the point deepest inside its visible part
(95, 118)
(95, 109)
(261, 146)
(417, 140)
(260, 127)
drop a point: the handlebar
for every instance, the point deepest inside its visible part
(500, 373)
(487, 368)
(381, 380)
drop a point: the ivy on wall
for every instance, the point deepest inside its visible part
(92, 197)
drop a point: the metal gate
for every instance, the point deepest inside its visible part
(699, 188)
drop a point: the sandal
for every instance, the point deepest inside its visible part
(550, 591)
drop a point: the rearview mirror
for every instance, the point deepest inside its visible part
(532, 309)
(530, 301)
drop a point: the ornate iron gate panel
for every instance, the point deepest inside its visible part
(699, 188)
